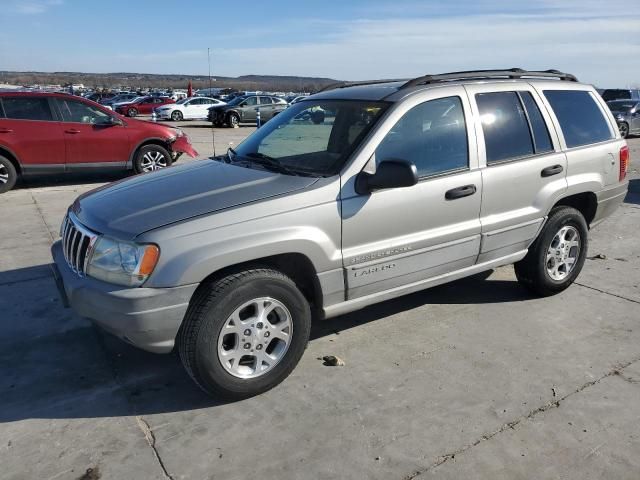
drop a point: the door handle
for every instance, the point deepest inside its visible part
(5, 130)
(550, 171)
(460, 192)
(72, 130)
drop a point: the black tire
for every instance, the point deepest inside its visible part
(208, 312)
(177, 116)
(148, 153)
(532, 272)
(233, 120)
(132, 112)
(8, 175)
(624, 129)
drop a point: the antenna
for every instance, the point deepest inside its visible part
(213, 132)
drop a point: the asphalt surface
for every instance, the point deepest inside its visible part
(474, 379)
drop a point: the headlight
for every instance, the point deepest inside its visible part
(122, 263)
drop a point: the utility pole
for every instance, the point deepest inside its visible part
(213, 133)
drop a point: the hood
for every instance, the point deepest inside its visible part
(136, 205)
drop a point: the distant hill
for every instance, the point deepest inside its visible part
(147, 80)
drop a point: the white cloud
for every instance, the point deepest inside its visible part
(29, 7)
(602, 50)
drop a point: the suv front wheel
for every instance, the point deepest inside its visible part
(557, 256)
(243, 334)
(151, 158)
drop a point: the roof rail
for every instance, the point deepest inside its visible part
(333, 86)
(485, 74)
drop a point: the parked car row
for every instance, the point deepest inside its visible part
(627, 115)
(43, 133)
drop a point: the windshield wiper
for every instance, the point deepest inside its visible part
(231, 150)
(269, 162)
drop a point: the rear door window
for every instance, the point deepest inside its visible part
(505, 126)
(541, 139)
(581, 120)
(27, 108)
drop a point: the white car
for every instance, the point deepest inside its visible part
(194, 108)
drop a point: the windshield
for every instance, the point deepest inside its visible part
(313, 137)
(183, 100)
(625, 107)
(235, 100)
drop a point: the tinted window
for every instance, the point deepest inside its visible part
(613, 94)
(78, 112)
(541, 139)
(433, 135)
(505, 126)
(27, 108)
(250, 102)
(265, 101)
(580, 118)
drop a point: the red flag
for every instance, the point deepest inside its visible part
(190, 90)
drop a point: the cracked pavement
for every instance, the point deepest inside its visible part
(474, 379)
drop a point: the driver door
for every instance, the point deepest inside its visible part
(400, 236)
(250, 109)
(88, 141)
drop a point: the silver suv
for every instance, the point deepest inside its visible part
(355, 195)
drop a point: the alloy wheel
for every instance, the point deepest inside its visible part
(563, 253)
(255, 338)
(624, 130)
(153, 160)
(4, 175)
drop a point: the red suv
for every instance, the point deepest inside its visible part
(56, 132)
(141, 105)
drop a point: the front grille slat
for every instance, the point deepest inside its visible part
(76, 243)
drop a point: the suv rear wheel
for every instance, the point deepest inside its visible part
(150, 158)
(557, 256)
(244, 333)
(624, 129)
(8, 175)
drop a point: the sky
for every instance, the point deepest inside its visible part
(341, 39)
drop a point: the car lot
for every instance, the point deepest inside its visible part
(475, 379)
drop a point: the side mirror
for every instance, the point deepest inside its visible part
(389, 174)
(112, 121)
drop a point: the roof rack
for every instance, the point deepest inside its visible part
(333, 86)
(485, 74)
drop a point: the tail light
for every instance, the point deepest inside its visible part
(624, 162)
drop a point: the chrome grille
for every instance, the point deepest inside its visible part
(77, 243)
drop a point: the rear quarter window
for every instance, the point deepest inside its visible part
(581, 120)
(27, 108)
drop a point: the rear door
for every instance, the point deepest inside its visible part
(266, 108)
(523, 166)
(30, 130)
(89, 139)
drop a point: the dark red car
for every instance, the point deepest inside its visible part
(55, 132)
(142, 106)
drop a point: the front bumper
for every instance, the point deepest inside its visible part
(183, 145)
(163, 115)
(148, 318)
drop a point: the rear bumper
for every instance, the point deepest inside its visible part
(608, 200)
(148, 318)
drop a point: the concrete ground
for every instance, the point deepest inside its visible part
(475, 379)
